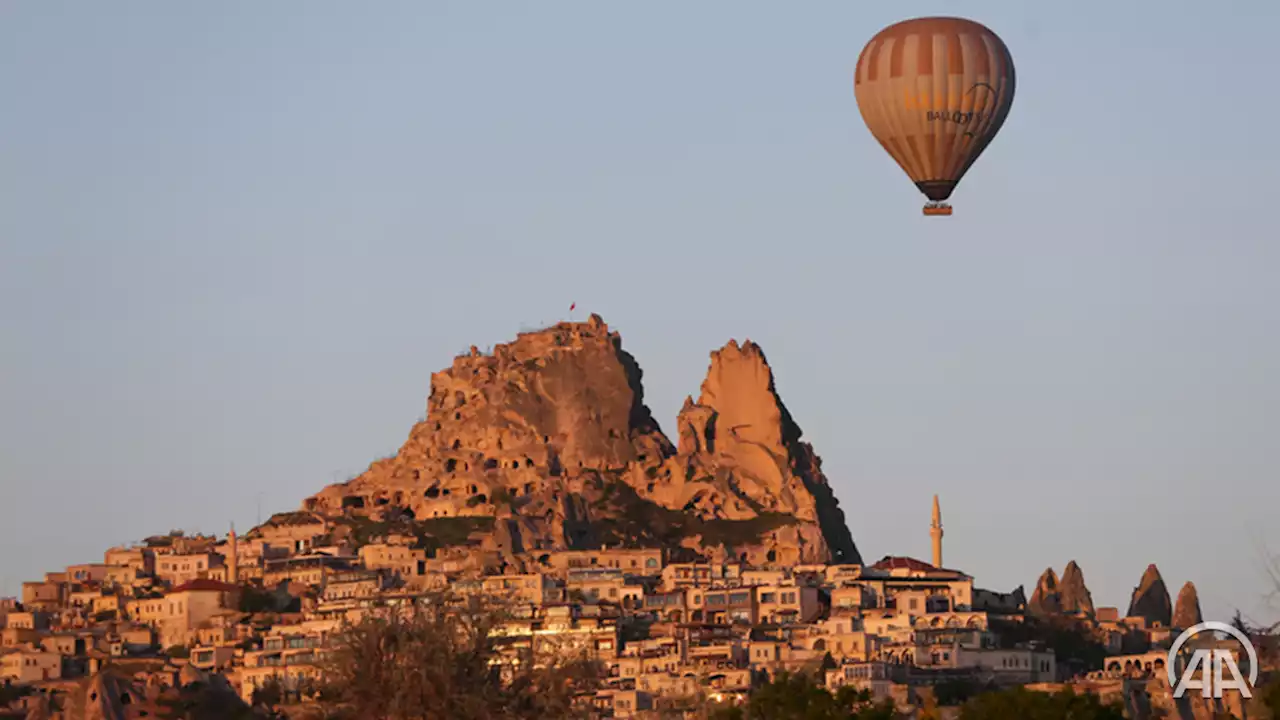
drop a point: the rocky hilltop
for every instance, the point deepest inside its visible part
(546, 443)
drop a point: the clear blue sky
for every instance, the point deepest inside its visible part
(237, 238)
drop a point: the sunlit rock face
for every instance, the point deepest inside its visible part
(549, 436)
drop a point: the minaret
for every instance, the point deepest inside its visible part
(935, 532)
(233, 561)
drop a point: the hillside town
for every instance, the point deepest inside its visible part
(262, 608)
(538, 481)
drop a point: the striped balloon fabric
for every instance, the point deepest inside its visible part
(934, 92)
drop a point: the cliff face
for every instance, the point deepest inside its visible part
(550, 437)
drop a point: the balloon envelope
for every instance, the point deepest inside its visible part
(934, 92)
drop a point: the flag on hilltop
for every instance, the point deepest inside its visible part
(572, 306)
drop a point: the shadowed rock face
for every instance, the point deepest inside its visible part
(1187, 611)
(1046, 600)
(754, 445)
(1067, 596)
(1075, 596)
(538, 432)
(1151, 598)
(106, 695)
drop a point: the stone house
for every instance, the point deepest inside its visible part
(140, 559)
(788, 604)
(16, 637)
(64, 644)
(23, 666)
(182, 610)
(43, 595)
(630, 561)
(297, 532)
(682, 575)
(88, 573)
(178, 569)
(28, 620)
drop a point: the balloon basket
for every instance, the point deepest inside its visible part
(937, 209)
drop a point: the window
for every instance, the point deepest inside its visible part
(789, 598)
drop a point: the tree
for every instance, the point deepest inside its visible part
(955, 692)
(253, 600)
(435, 662)
(1027, 705)
(9, 692)
(795, 696)
(929, 708)
(1071, 641)
(268, 695)
(1270, 697)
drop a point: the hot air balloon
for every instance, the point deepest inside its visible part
(934, 92)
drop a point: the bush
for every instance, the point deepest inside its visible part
(634, 521)
(1027, 705)
(181, 652)
(798, 697)
(10, 693)
(956, 692)
(255, 600)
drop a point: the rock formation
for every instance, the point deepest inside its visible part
(1068, 596)
(40, 709)
(1151, 598)
(740, 455)
(1074, 595)
(105, 697)
(1186, 612)
(1046, 600)
(546, 443)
